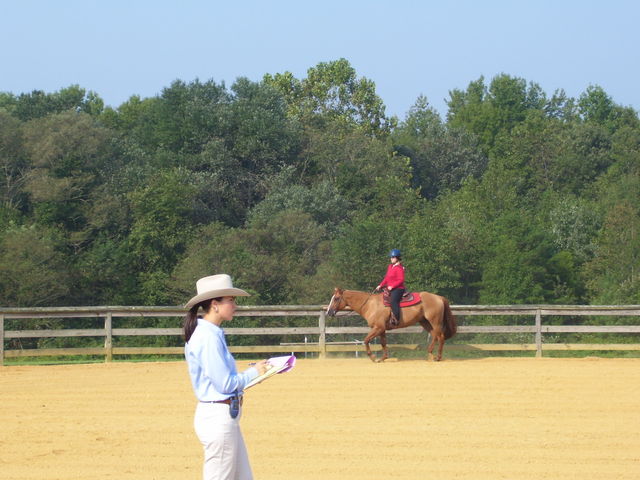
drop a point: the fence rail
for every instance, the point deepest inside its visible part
(321, 346)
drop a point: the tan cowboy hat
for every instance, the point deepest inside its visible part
(215, 286)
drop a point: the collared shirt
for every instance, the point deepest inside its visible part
(212, 368)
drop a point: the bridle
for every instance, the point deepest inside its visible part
(341, 299)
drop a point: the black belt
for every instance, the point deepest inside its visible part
(226, 401)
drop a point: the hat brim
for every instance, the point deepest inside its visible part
(223, 292)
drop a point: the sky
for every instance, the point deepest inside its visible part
(120, 48)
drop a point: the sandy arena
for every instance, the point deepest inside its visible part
(333, 419)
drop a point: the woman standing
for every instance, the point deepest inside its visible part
(394, 282)
(216, 383)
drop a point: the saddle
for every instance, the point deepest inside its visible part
(407, 300)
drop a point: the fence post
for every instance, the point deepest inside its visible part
(538, 334)
(1, 340)
(108, 338)
(322, 339)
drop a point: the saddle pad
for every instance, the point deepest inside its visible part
(408, 299)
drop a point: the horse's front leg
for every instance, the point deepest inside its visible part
(385, 350)
(372, 334)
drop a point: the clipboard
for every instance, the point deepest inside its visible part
(277, 365)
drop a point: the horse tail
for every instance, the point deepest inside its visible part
(450, 325)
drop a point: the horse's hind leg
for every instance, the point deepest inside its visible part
(431, 345)
(372, 334)
(440, 345)
(436, 336)
(429, 328)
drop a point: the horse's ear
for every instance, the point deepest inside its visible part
(338, 290)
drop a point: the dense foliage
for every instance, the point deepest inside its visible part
(294, 186)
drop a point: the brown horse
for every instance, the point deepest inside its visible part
(433, 313)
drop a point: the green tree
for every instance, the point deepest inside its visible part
(614, 273)
(513, 268)
(561, 107)
(365, 170)
(446, 241)
(234, 170)
(596, 107)
(107, 273)
(187, 116)
(205, 254)
(14, 164)
(332, 92)
(273, 264)
(360, 251)
(182, 119)
(67, 152)
(486, 111)
(573, 224)
(257, 130)
(279, 262)
(34, 270)
(38, 104)
(134, 119)
(427, 255)
(442, 158)
(321, 201)
(161, 213)
(588, 157)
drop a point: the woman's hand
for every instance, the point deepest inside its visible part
(262, 366)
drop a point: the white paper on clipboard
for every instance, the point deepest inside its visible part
(277, 365)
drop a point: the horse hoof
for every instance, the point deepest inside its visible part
(430, 358)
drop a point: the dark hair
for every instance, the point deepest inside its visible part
(191, 318)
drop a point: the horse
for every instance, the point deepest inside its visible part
(433, 313)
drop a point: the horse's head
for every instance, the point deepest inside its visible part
(337, 302)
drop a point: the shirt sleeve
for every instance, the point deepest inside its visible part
(385, 280)
(219, 367)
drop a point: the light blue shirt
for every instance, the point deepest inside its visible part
(212, 368)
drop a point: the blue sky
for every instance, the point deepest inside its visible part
(408, 48)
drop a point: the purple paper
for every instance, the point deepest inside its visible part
(287, 362)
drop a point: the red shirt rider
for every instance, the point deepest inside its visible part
(394, 277)
(394, 282)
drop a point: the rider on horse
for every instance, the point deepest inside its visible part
(394, 282)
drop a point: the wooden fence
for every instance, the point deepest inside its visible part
(538, 329)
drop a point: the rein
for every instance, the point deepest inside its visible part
(365, 302)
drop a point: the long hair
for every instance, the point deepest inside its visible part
(191, 318)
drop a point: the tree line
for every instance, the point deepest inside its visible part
(295, 186)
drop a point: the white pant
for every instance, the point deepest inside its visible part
(225, 455)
